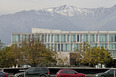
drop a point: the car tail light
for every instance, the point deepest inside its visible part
(48, 73)
(6, 75)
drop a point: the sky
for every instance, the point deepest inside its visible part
(12, 6)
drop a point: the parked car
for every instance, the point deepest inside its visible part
(69, 73)
(3, 74)
(108, 73)
(35, 72)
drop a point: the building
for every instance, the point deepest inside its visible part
(66, 41)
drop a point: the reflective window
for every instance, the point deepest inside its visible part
(52, 38)
(112, 38)
(92, 38)
(47, 45)
(71, 47)
(112, 46)
(37, 36)
(103, 38)
(97, 38)
(49, 38)
(81, 38)
(57, 38)
(63, 38)
(16, 38)
(85, 37)
(73, 38)
(67, 47)
(93, 45)
(46, 38)
(68, 38)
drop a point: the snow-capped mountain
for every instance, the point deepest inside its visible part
(63, 17)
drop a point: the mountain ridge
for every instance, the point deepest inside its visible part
(63, 17)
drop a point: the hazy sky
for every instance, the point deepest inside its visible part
(12, 6)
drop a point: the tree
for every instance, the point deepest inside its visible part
(36, 53)
(10, 56)
(1, 45)
(93, 55)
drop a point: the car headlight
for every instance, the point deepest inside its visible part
(96, 75)
(16, 75)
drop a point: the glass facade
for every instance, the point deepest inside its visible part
(85, 37)
(112, 38)
(16, 38)
(92, 37)
(66, 42)
(103, 38)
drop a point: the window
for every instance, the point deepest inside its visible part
(97, 38)
(112, 38)
(31, 70)
(58, 47)
(110, 71)
(37, 70)
(71, 47)
(112, 46)
(46, 38)
(71, 72)
(61, 47)
(92, 38)
(64, 71)
(49, 38)
(85, 37)
(57, 38)
(81, 38)
(52, 37)
(68, 38)
(103, 38)
(16, 38)
(77, 38)
(63, 38)
(93, 45)
(73, 38)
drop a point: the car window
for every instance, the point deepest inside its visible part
(63, 71)
(71, 72)
(111, 72)
(37, 70)
(31, 70)
(44, 69)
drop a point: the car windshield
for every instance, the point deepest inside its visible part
(109, 71)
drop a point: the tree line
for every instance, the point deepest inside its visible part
(36, 54)
(91, 56)
(33, 52)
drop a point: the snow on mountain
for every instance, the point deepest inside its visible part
(68, 10)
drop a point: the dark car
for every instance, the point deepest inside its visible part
(108, 73)
(35, 72)
(3, 74)
(69, 73)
